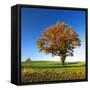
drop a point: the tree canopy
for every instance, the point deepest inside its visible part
(59, 39)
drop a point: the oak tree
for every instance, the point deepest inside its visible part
(59, 40)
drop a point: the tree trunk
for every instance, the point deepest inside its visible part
(63, 57)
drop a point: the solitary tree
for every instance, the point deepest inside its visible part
(60, 40)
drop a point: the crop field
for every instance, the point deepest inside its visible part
(39, 71)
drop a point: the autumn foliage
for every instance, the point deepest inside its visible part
(59, 40)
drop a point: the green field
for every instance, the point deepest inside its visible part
(39, 71)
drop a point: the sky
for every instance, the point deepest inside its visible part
(34, 21)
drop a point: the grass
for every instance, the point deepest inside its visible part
(39, 71)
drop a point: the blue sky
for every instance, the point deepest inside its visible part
(34, 21)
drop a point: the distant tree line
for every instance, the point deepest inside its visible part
(28, 60)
